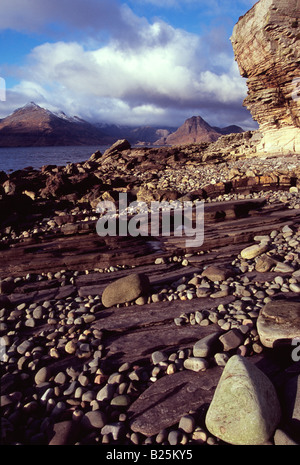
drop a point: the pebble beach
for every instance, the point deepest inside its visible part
(46, 400)
(122, 324)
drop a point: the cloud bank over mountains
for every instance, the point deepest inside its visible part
(104, 62)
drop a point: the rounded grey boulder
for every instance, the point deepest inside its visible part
(245, 409)
(125, 289)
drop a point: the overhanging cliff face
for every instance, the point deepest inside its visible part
(266, 43)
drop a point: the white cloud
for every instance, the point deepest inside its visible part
(165, 75)
(147, 73)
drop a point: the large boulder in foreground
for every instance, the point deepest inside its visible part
(125, 289)
(279, 323)
(245, 409)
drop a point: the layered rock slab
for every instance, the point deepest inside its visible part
(171, 397)
(137, 346)
(266, 46)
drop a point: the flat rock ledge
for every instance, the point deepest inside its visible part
(143, 366)
(164, 403)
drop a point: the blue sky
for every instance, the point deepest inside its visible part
(155, 62)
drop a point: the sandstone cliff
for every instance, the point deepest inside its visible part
(266, 46)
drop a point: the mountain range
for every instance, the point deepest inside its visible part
(33, 125)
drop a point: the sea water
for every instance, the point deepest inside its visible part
(13, 159)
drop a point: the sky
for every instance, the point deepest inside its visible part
(126, 62)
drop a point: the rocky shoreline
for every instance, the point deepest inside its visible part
(91, 353)
(139, 339)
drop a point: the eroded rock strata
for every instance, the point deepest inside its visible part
(267, 50)
(148, 366)
(79, 369)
